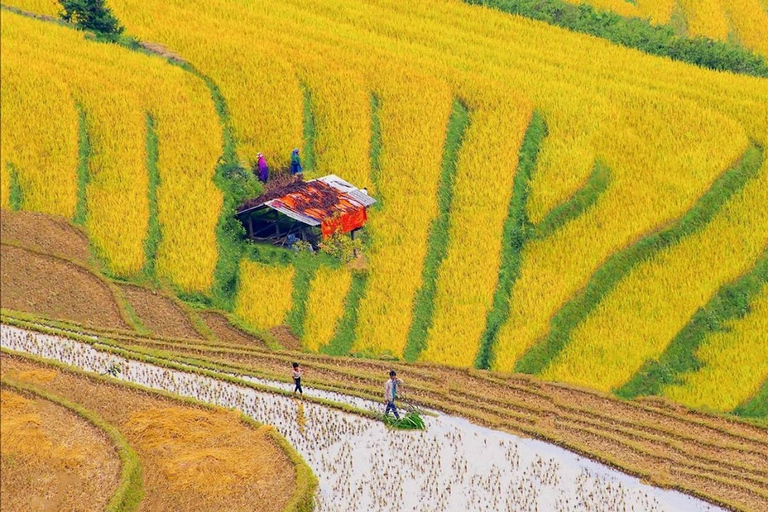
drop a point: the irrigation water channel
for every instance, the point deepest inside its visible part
(363, 466)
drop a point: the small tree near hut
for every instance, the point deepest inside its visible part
(91, 15)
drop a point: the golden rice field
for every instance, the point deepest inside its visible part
(666, 131)
(655, 301)
(264, 296)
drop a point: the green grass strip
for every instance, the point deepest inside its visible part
(83, 176)
(597, 183)
(618, 266)
(636, 33)
(152, 241)
(130, 489)
(517, 230)
(424, 303)
(16, 198)
(310, 131)
(755, 407)
(731, 302)
(376, 146)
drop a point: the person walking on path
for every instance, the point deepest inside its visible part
(391, 388)
(296, 163)
(263, 169)
(297, 373)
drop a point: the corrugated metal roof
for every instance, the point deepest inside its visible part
(349, 189)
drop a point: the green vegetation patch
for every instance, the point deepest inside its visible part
(517, 230)
(424, 303)
(636, 33)
(731, 302)
(539, 356)
(16, 198)
(411, 421)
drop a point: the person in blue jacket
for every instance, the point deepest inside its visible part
(295, 163)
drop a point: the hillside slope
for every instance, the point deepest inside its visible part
(581, 164)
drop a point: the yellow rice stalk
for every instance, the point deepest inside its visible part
(659, 11)
(47, 7)
(414, 115)
(44, 154)
(706, 18)
(198, 450)
(341, 106)
(23, 434)
(264, 294)
(735, 364)
(751, 23)
(618, 6)
(325, 305)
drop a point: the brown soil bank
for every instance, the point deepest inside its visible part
(51, 235)
(52, 459)
(55, 288)
(158, 313)
(193, 458)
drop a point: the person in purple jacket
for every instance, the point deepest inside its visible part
(263, 169)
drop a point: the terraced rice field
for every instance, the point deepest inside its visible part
(51, 457)
(694, 125)
(547, 204)
(745, 21)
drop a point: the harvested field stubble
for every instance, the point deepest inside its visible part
(52, 459)
(44, 233)
(190, 454)
(55, 288)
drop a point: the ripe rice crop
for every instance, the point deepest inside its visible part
(325, 305)
(659, 11)
(618, 6)
(467, 279)
(666, 131)
(113, 87)
(264, 294)
(46, 156)
(750, 21)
